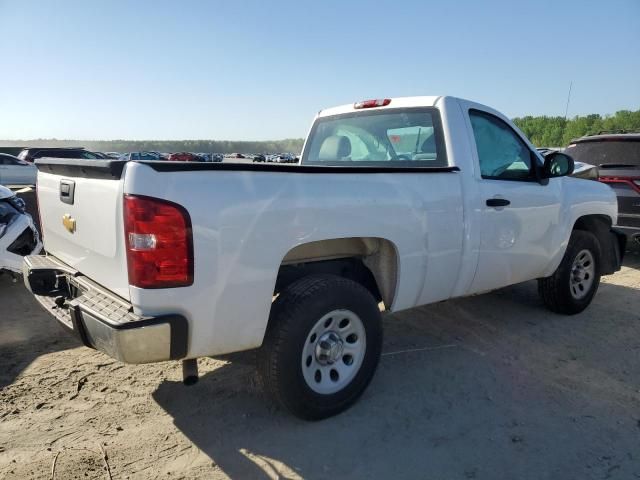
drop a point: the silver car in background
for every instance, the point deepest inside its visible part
(14, 171)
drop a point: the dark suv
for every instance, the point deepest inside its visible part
(617, 156)
(32, 153)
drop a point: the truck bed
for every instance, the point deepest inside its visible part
(246, 218)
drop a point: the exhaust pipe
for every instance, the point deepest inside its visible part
(190, 371)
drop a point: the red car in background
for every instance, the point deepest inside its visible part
(182, 157)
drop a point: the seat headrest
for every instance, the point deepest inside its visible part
(335, 147)
(429, 145)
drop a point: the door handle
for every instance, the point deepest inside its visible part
(498, 202)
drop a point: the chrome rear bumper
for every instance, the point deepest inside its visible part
(99, 318)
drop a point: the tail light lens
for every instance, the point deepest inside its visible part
(159, 243)
(633, 183)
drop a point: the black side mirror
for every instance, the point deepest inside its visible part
(557, 164)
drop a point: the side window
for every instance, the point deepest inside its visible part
(502, 153)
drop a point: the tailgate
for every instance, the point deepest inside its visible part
(80, 205)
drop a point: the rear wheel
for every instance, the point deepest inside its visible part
(575, 282)
(322, 346)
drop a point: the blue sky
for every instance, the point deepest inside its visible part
(261, 69)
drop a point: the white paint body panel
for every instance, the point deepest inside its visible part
(244, 222)
(252, 219)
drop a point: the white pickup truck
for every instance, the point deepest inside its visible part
(396, 203)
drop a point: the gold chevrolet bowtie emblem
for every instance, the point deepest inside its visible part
(69, 222)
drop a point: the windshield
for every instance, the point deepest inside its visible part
(605, 152)
(390, 138)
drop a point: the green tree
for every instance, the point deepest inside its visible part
(546, 131)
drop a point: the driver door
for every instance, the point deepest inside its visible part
(518, 215)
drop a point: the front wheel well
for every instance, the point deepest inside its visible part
(592, 223)
(600, 226)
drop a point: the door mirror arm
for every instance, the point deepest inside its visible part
(537, 170)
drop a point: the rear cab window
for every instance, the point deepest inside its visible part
(410, 137)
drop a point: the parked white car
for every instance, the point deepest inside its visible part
(14, 171)
(18, 233)
(396, 202)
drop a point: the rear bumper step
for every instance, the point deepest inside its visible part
(100, 319)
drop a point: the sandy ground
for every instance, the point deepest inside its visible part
(489, 387)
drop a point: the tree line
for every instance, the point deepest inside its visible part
(558, 132)
(543, 131)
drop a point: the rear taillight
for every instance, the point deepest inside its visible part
(381, 102)
(633, 183)
(159, 243)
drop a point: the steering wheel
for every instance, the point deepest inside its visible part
(403, 156)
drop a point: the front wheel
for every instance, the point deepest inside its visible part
(322, 345)
(575, 282)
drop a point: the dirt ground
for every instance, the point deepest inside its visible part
(489, 387)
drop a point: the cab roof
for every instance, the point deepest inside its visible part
(396, 102)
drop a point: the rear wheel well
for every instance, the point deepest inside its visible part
(369, 261)
(351, 268)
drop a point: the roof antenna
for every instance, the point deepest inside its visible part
(566, 110)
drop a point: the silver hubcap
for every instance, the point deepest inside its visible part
(333, 352)
(582, 274)
(329, 348)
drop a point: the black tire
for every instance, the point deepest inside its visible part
(294, 314)
(556, 290)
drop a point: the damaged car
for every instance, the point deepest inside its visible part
(18, 234)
